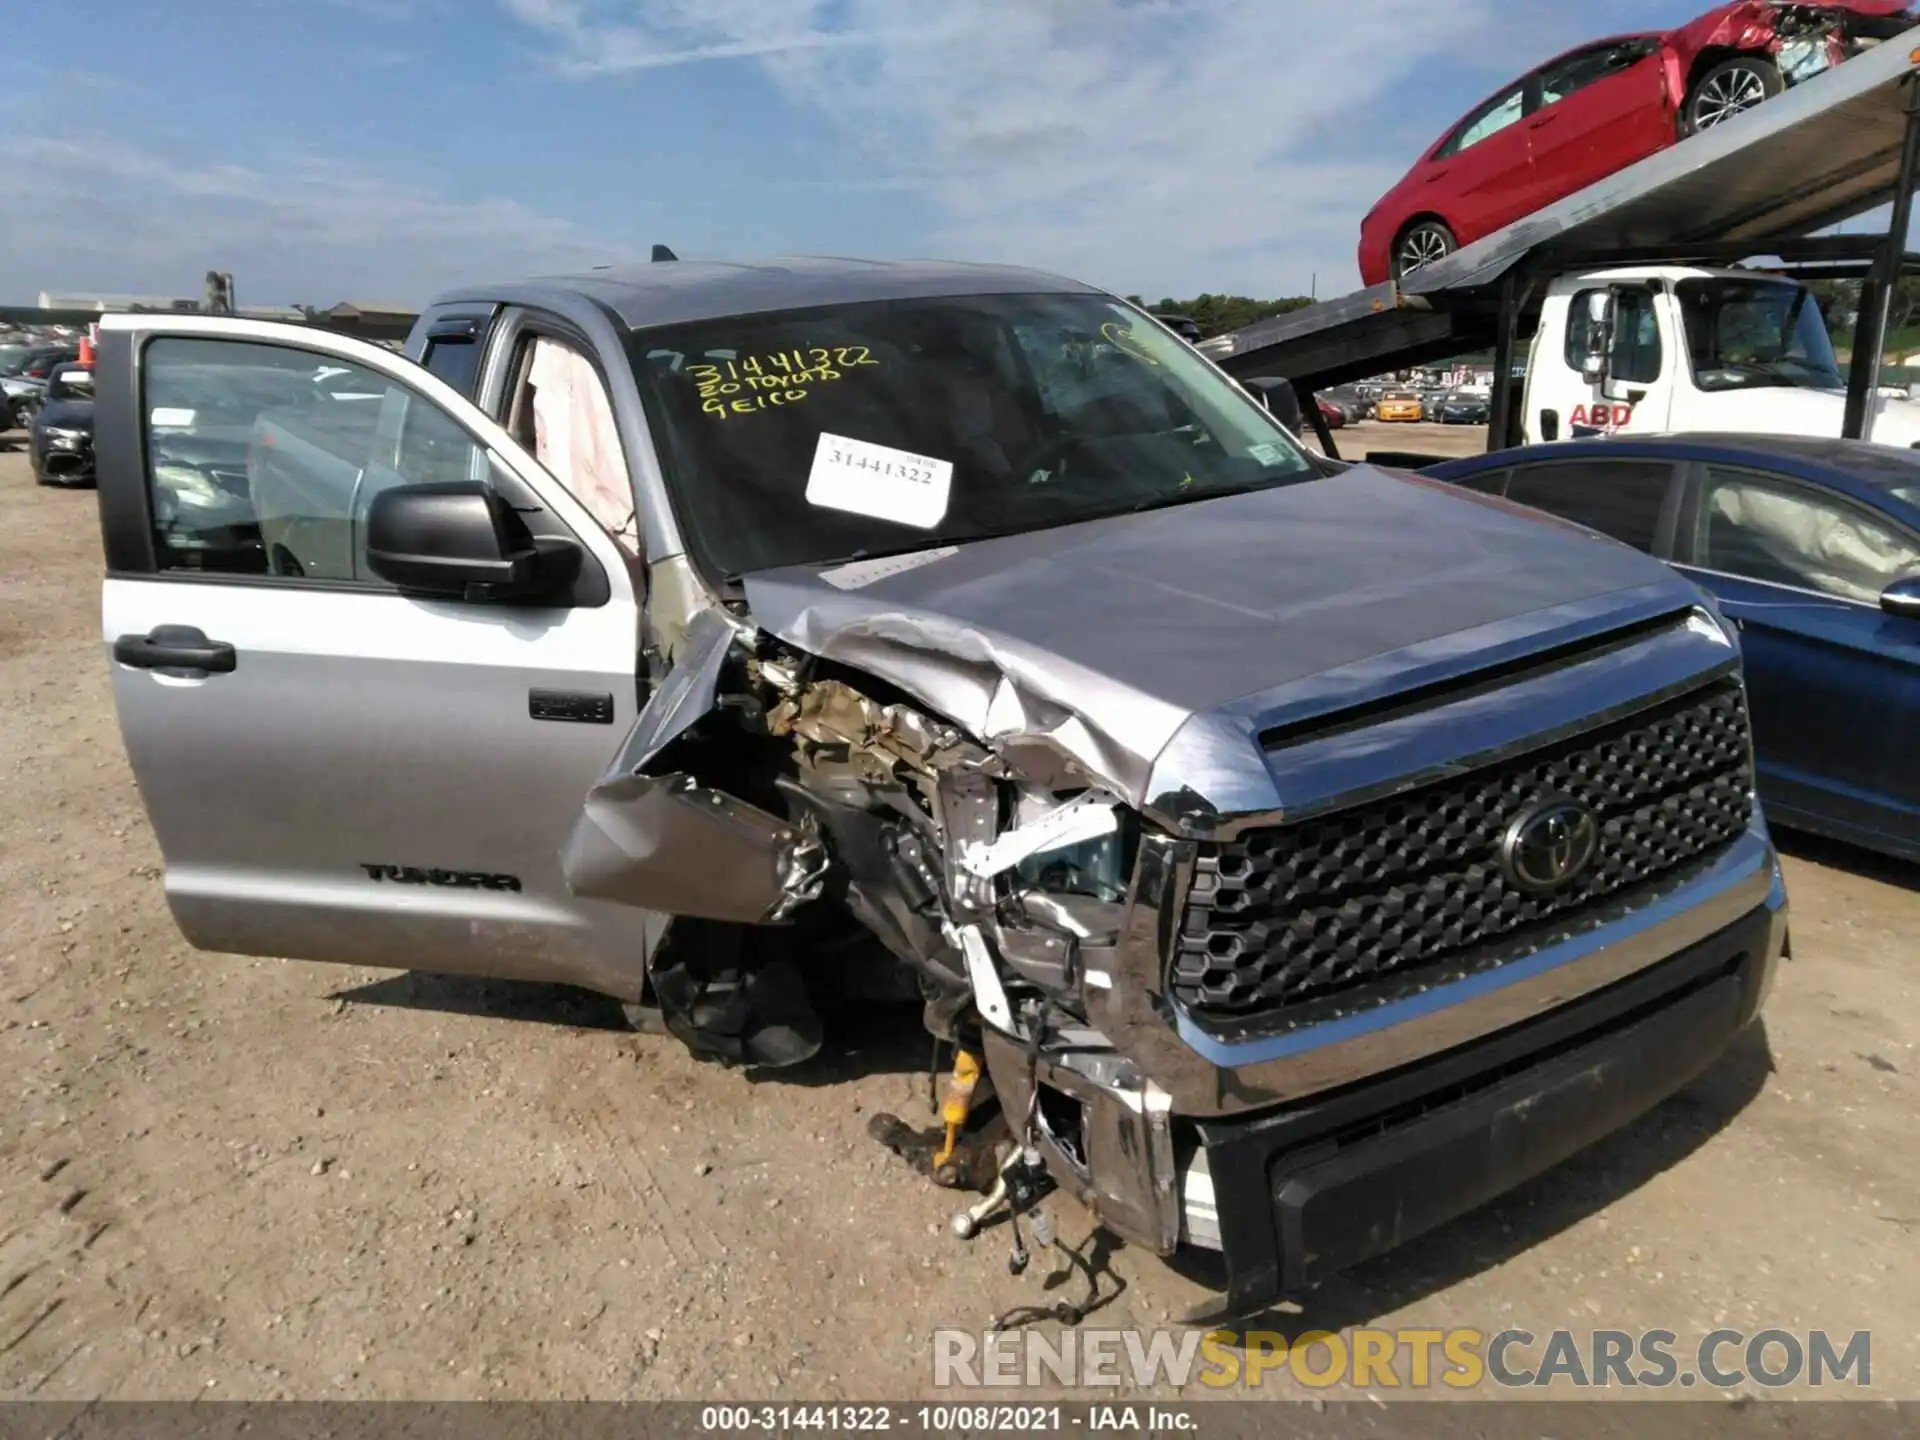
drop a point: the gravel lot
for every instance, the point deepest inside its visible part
(1357, 441)
(238, 1177)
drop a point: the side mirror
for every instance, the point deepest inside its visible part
(462, 540)
(1902, 598)
(1282, 402)
(1600, 315)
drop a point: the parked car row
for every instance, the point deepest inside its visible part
(24, 370)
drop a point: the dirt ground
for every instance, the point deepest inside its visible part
(236, 1177)
(1357, 441)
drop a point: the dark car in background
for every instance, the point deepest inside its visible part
(1812, 548)
(23, 377)
(1463, 407)
(1352, 401)
(1185, 326)
(61, 435)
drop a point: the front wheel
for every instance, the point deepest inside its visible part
(1730, 88)
(1420, 246)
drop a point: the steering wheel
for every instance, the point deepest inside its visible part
(1043, 454)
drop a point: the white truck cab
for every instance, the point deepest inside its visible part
(1675, 348)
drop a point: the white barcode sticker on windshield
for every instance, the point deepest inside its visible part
(875, 480)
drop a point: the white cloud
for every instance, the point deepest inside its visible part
(114, 216)
(597, 40)
(1166, 146)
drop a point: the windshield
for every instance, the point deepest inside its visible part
(70, 385)
(13, 359)
(810, 436)
(1748, 334)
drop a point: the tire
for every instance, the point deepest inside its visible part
(1730, 88)
(1420, 245)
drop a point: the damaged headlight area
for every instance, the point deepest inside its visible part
(760, 780)
(809, 829)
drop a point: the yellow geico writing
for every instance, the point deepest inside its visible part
(782, 377)
(1123, 339)
(1387, 1359)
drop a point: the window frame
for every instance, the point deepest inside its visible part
(1577, 323)
(1672, 505)
(513, 337)
(1690, 540)
(1538, 79)
(465, 332)
(1645, 45)
(130, 532)
(1450, 147)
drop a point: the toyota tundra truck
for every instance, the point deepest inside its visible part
(1295, 855)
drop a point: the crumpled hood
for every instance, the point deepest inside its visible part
(1107, 637)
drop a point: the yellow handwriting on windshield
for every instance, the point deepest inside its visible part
(746, 384)
(1123, 338)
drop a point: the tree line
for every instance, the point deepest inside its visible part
(1222, 314)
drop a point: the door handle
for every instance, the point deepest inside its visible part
(1543, 122)
(175, 649)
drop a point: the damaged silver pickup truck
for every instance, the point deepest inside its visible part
(1294, 855)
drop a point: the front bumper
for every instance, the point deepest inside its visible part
(68, 463)
(1295, 1195)
(1177, 1136)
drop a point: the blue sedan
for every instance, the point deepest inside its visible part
(1812, 548)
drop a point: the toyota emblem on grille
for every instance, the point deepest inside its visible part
(1550, 846)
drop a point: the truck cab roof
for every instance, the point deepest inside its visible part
(1585, 279)
(679, 291)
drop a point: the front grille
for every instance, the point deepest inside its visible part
(1412, 885)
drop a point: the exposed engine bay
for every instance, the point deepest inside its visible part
(767, 797)
(1805, 39)
(1810, 39)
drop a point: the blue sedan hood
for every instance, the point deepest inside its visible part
(77, 414)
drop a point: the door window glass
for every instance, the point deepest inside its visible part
(70, 382)
(1489, 120)
(1621, 498)
(1575, 73)
(263, 459)
(1636, 338)
(1765, 530)
(1579, 327)
(1490, 482)
(1637, 354)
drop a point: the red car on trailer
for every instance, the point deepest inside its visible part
(1592, 111)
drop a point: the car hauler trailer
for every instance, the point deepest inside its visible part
(1758, 185)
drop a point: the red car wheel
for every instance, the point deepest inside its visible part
(1421, 245)
(1729, 89)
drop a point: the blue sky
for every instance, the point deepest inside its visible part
(387, 149)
